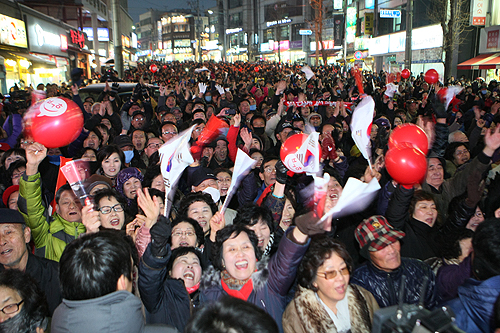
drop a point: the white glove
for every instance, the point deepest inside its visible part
(220, 89)
(202, 87)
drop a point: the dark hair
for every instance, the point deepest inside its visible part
(450, 150)
(60, 191)
(219, 170)
(450, 243)
(152, 172)
(12, 151)
(258, 116)
(267, 159)
(90, 266)
(232, 231)
(230, 314)
(139, 130)
(486, 244)
(200, 237)
(107, 151)
(321, 248)
(250, 215)
(97, 133)
(35, 309)
(80, 154)
(419, 195)
(153, 192)
(198, 121)
(191, 198)
(181, 251)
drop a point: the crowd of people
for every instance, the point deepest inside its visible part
(268, 263)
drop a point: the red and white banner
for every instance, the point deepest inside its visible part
(361, 125)
(316, 103)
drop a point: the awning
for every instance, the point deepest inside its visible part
(36, 61)
(483, 61)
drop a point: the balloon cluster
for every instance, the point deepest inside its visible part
(406, 159)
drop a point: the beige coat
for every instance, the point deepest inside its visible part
(305, 314)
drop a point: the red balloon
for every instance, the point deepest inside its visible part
(391, 78)
(409, 133)
(256, 69)
(431, 76)
(164, 66)
(153, 68)
(405, 73)
(406, 164)
(54, 122)
(290, 147)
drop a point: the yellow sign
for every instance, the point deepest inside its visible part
(12, 32)
(368, 23)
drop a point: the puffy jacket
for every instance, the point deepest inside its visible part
(271, 282)
(119, 311)
(385, 286)
(50, 234)
(166, 300)
(474, 307)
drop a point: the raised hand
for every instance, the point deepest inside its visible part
(217, 222)
(492, 141)
(246, 137)
(35, 153)
(91, 219)
(150, 206)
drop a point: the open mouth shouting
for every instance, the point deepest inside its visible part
(241, 264)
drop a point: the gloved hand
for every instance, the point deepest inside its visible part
(145, 92)
(160, 234)
(220, 89)
(438, 107)
(308, 224)
(202, 87)
(115, 87)
(137, 94)
(281, 171)
(328, 149)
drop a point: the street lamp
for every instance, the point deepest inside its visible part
(222, 32)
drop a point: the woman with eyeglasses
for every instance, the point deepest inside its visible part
(325, 301)
(23, 307)
(108, 212)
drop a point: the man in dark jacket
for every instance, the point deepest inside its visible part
(96, 283)
(14, 254)
(382, 275)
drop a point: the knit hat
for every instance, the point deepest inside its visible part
(123, 176)
(375, 233)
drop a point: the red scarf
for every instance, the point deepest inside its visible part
(192, 289)
(243, 293)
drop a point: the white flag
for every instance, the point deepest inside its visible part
(175, 156)
(356, 197)
(242, 165)
(308, 72)
(361, 125)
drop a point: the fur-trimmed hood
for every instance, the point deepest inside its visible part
(306, 314)
(211, 277)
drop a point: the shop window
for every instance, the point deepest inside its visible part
(235, 3)
(284, 32)
(296, 31)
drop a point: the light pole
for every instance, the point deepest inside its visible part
(222, 31)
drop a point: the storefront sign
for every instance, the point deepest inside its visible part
(304, 32)
(389, 13)
(337, 4)
(134, 40)
(489, 40)
(351, 24)
(327, 45)
(12, 32)
(369, 4)
(479, 8)
(182, 43)
(338, 28)
(233, 31)
(379, 45)
(284, 45)
(278, 22)
(125, 41)
(77, 38)
(45, 37)
(296, 44)
(368, 23)
(102, 34)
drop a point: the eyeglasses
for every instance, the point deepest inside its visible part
(332, 274)
(461, 152)
(199, 129)
(107, 209)
(155, 145)
(26, 142)
(169, 133)
(269, 169)
(12, 308)
(189, 233)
